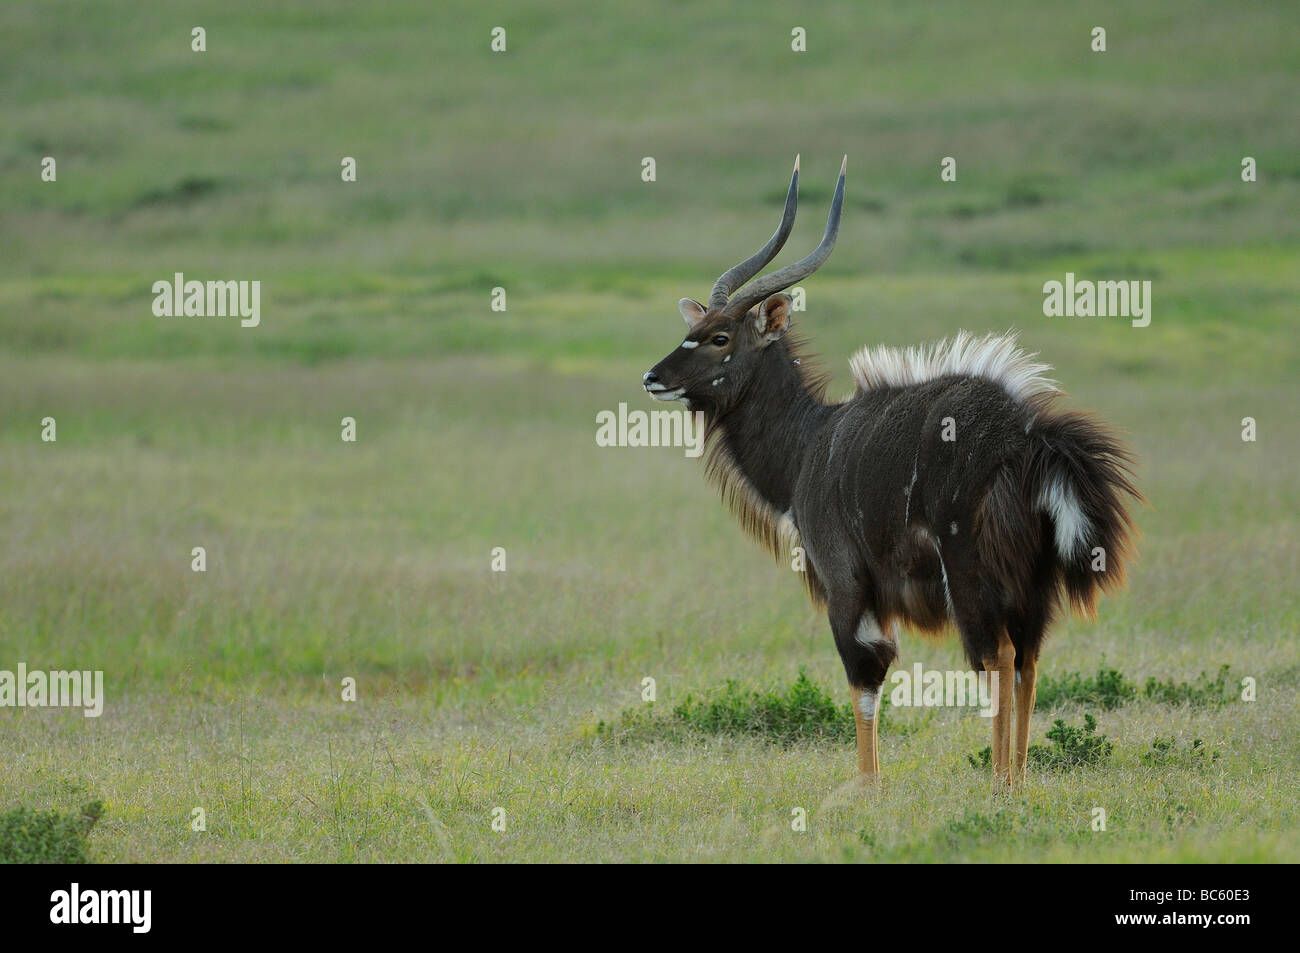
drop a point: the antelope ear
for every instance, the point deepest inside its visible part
(692, 311)
(774, 317)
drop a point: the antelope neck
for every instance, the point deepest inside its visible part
(768, 431)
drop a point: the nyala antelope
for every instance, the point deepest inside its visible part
(948, 491)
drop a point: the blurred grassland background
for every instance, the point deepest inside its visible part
(476, 428)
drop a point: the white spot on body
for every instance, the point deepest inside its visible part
(690, 344)
(869, 704)
(726, 359)
(952, 529)
(869, 632)
(718, 381)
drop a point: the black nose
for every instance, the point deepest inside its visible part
(649, 377)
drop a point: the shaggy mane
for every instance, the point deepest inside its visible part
(994, 357)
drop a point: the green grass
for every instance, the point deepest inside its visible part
(479, 690)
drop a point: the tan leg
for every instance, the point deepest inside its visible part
(868, 760)
(1026, 688)
(1003, 665)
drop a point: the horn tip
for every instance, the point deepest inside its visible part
(796, 162)
(844, 166)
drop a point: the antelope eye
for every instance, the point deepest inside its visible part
(720, 340)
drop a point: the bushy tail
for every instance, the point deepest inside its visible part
(1080, 476)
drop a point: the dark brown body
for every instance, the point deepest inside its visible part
(949, 490)
(887, 509)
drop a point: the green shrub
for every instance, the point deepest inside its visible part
(804, 711)
(974, 826)
(1166, 753)
(1109, 689)
(1203, 693)
(46, 837)
(1071, 747)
